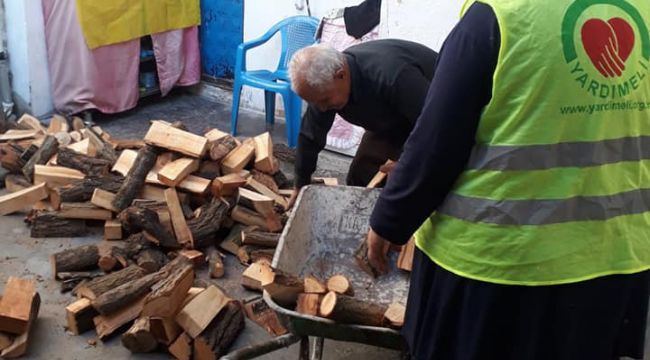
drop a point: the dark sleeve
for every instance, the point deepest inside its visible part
(311, 140)
(438, 148)
(409, 92)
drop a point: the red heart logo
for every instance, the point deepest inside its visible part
(608, 44)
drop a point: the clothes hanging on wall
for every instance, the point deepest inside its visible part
(361, 19)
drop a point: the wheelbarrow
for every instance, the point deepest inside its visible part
(324, 230)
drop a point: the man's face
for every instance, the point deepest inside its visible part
(334, 96)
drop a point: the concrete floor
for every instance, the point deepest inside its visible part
(26, 257)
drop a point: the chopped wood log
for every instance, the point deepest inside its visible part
(112, 257)
(325, 181)
(282, 180)
(256, 274)
(139, 338)
(259, 312)
(151, 260)
(19, 200)
(79, 316)
(260, 254)
(176, 171)
(152, 192)
(5, 341)
(181, 348)
(221, 147)
(209, 169)
(76, 136)
(78, 123)
(58, 124)
(84, 147)
(167, 296)
(105, 325)
(16, 305)
(135, 179)
(165, 330)
(125, 294)
(361, 257)
(191, 294)
(266, 180)
(136, 219)
(252, 236)
(340, 285)
(215, 134)
(10, 157)
(82, 191)
(314, 286)
(262, 205)
(215, 263)
(29, 122)
(73, 275)
(221, 333)
(205, 226)
(284, 288)
(348, 310)
(232, 242)
(15, 183)
(56, 176)
(122, 144)
(168, 137)
(63, 138)
(405, 259)
(18, 135)
(104, 149)
(86, 211)
(181, 229)
(237, 159)
(199, 313)
(227, 185)
(125, 162)
(264, 160)
(43, 154)
(98, 286)
(50, 225)
(112, 230)
(308, 304)
(194, 184)
(251, 218)
(196, 257)
(86, 164)
(135, 244)
(264, 190)
(21, 342)
(76, 259)
(394, 315)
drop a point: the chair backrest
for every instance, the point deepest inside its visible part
(297, 32)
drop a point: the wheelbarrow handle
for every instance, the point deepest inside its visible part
(253, 351)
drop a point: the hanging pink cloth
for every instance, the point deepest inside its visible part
(106, 78)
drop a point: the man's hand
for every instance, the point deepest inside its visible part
(292, 199)
(388, 166)
(378, 252)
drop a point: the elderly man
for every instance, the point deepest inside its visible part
(379, 85)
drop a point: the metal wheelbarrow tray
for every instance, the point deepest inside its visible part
(326, 227)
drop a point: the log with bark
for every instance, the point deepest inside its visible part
(253, 236)
(340, 285)
(308, 304)
(88, 165)
(79, 316)
(76, 259)
(10, 155)
(135, 219)
(197, 314)
(83, 190)
(139, 338)
(215, 263)
(112, 258)
(105, 325)
(394, 315)
(167, 296)
(222, 332)
(136, 177)
(284, 288)
(222, 147)
(48, 149)
(314, 286)
(348, 310)
(205, 226)
(151, 260)
(98, 286)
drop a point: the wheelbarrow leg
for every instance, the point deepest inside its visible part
(317, 351)
(304, 348)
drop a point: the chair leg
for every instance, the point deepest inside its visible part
(269, 104)
(236, 93)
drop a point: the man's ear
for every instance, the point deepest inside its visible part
(339, 74)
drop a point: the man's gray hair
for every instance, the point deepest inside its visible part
(316, 65)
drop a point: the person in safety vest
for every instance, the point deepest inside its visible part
(379, 85)
(526, 181)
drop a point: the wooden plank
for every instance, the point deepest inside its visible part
(264, 190)
(56, 176)
(31, 122)
(237, 159)
(199, 312)
(19, 200)
(86, 211)
(103, 199)
(182, 231)
(405, 259)
(105, 325)
(16, 305)
(176, 171)
(18, 135)
(112, 230)
(264, 160)
(58, 124)
(184, 142)
(125, 162)
(79, 316)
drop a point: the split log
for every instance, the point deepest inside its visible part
(135, 179)
(176, 171)
(405, 259)
(15, 183)
(314, 286)
(284, 288)
(121, 144)
(74, 275)
(164, 330)
(195, 317)
(167, 296)
(21, 342)
(5, 341)
(84, 211)
(83, 190)
(136, 219)
(19, 200)
(264, 190)
(340, 285)
(151, 260)
(16, 305)
(259, 254)
(139, 338)
(58, 124)
(260, 313)
(348, 310)
(257, 274)
(76, 136)
(205, 226)
(48, 149)
(222, 332)
(196, 257)
(135, 244)
(125, 162)
(84, 147)
(18, 135)
(168, 137)
(252, 236)
(394, 315)
(262, 204)
(27, 121)
(56, 176)
(125, 294)
(112, 230)
(10, 157)
(215, 263)
(251, 218)
(219, 148)
(361, 257)
(232, 242)
(104, 150)
(79, 316)
(209, 169)
(237, 159)
(111, 257)
(76, 259)
(181, 229)
(63, 138)
(266, 180)
(227, 185)
(181, 348)
(49, 225)
(105, 325)
(98, 286)
(264, 160)
(78, 123)
(308, 304)
(86, 164)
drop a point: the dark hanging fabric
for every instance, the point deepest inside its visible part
(360, 19)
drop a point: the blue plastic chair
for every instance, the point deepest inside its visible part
(296, 32)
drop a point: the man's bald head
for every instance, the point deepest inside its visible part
(320, 75)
